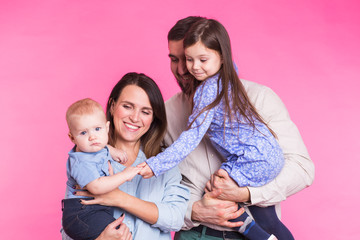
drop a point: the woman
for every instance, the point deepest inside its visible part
(153, 207)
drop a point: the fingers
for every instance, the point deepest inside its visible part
(222, 173)
(89, 202)
(146, 171)
(111, 170)
(233, 216)
(215, 193)
(117, 222)
(143, 164)
(208, 187)
(84, 193)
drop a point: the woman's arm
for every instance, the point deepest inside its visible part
(172, 204)
(145, 210)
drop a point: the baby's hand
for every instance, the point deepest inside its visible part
(118, 155)
(130, 172)
(146, 171)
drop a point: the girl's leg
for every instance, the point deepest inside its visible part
(250, 229)
(268, 220)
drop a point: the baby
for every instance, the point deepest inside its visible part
(88, 167)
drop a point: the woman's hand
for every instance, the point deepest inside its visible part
(112, 198)
(229, 189)
(146, 171)
(112, 233)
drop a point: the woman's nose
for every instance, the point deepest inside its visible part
(134, 116)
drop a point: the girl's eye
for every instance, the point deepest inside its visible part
(189, 60)
(203, 60)
(83, 133)
(97, 128)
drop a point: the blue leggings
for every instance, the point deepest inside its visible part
(266, 223)
(85, 222)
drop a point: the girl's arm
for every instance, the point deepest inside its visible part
(189, 139)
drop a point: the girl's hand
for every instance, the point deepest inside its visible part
(118, 155)
(146, 171)
(111, 232)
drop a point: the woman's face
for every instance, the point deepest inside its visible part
(132, 114)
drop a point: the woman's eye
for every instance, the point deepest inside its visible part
(203, 60)
(146, 113)
(126, 106)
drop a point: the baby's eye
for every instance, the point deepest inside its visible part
(97, 128)
(83, 133)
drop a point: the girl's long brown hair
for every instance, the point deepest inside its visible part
(214, 36)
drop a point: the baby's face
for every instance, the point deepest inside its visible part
(89, 132)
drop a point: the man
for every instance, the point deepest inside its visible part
(208, 216)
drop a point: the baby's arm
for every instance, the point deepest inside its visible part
(117, 154)
(108, 183)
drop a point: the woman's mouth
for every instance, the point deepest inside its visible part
(132, 127)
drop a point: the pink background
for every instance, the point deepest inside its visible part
(55, 52)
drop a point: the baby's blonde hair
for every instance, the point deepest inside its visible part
(82, 107)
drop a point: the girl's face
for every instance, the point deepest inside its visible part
(132, 114)
(202, 62)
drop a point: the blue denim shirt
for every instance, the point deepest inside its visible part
(83, 168)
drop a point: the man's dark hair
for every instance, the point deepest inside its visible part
(178, 31)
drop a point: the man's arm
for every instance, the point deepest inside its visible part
(298, 171)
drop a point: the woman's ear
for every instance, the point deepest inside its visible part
(111, 103)
(107, 126)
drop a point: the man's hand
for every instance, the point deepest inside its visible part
(146, 171)
(212, 210)
(112, 233)
(229, 189)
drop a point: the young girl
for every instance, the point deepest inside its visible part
(222, 110)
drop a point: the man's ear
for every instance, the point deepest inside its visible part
(71, 137)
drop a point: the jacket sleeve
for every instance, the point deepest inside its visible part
(298, 171)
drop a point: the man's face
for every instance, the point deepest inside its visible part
(178, 64)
